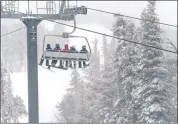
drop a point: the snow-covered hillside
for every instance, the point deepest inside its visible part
(52, 86)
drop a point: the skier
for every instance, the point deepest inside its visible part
(48, 48)
(73, 50)
(83, 50)
(57, 49)
(66, 49)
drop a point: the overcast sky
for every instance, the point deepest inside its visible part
(167, 10)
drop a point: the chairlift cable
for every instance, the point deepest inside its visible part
(114, 37)
(12, 31)
(132, 17)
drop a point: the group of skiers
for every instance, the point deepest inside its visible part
(66, 49)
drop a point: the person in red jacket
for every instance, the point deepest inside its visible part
(66, 49)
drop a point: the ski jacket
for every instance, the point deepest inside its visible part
(73, 51)
(66, 48)
(57, 49)
(48, 47)
(83, 51)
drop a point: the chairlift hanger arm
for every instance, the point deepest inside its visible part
(62, 7)
(74, 29)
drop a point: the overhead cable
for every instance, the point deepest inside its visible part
(131, 17)
(12, 31)
(114, 37)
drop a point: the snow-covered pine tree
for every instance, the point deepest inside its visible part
(91, 79)
(18, 109)
(76, 94)
(112, 47)
(66, 109)
(82, 90)
(105, 50)
(94, 61)
(11, 107)
(172, 66)
(124, 73)
(106, 88)
(153, 94)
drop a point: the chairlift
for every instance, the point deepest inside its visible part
(62, 55)
(65, 56)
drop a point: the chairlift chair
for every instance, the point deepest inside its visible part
(61, 55)
(66, 56)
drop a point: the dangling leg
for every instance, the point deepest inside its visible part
(74, 64)
(84, 64)
(42, 60)
(70, 63)
(54, 62)
(47, 62)
(61, 65)
(79, 64)
(66, 64)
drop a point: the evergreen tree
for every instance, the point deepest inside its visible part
(76, 96)
(153, 94)
(11, 107)
(82, 93)
(94, 61)
(126, 61)
(66, 109)
(112, 47)
(105, 50)
(91, 79)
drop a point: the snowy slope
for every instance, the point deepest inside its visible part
(52, 86)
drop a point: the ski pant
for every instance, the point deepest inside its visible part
(54, 62)
(84, 64)
(42, 60)
(74, 63)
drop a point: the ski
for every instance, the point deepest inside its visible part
(46, 68)
(58, 67)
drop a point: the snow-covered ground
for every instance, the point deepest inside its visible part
(52, 86)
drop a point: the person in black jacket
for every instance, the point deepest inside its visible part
(57, 49)
(83, 50)
(73, 50)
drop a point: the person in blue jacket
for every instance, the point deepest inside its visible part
(48, 48)
(72, 50)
